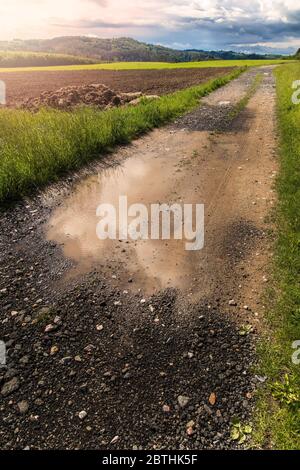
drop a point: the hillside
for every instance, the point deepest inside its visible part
(39, 59)
(233, 55)
(118, 49)
(107, 50)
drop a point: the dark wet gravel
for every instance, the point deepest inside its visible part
(122, 361)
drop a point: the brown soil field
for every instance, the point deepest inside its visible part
(23, 85)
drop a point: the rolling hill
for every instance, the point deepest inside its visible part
(39, 59)
(118, 50)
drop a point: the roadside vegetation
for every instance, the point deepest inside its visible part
(37, 148)
(278, 417)
(154, 65)
(12, 59)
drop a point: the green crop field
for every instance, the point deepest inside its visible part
(151, 65)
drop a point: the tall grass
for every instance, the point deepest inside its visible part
(279, 407)
(38, 148)
(156, 65)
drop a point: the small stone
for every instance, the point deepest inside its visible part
(232, 302)
(49, 328)
(114, 440)
(212, 398)
(77, 359)
(183, 400)
(82, 414)
(190, 424)
(166, 409)
(23, 406)
(89, 348)
(260, 378)
(99, 327)
(10, 387)
(54, 350)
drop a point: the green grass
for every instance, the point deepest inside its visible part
(37, 148)
(153, 65)
(278, 415)
(20, 60)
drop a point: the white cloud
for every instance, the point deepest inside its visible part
(172, 21)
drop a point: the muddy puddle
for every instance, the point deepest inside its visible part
(152, 175)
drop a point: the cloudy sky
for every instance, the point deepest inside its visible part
(203, 24)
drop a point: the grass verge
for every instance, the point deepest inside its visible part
(278, 413)
(38, 148)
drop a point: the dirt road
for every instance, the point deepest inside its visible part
(147, 346)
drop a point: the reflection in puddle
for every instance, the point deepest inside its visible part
(148, 180)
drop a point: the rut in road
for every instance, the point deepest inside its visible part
(147, 335)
